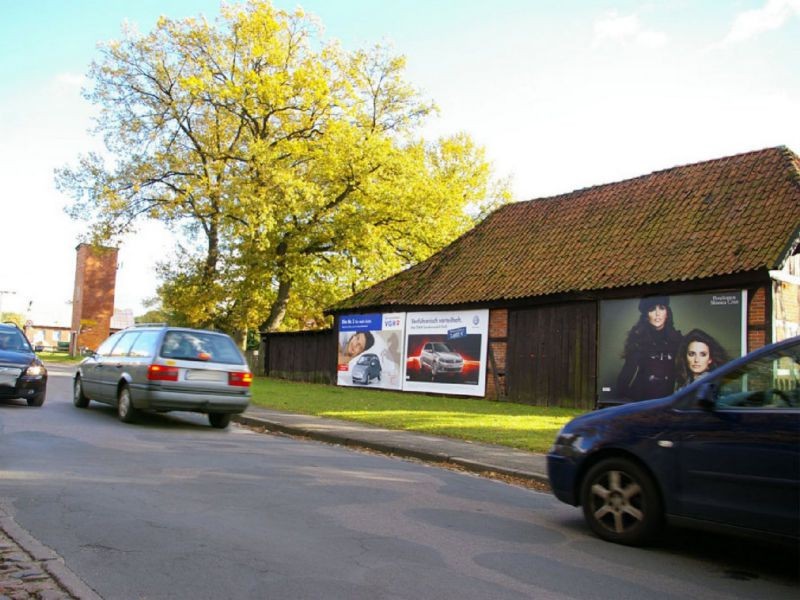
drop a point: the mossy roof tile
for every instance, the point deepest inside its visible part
(718, 217)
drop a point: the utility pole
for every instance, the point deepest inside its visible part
(5, 293)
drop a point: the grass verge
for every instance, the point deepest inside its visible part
(59, 357)
(516, 425)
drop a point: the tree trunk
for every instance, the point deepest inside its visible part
(278, 310)
(210, 268)
(212, 253)
(240, 337)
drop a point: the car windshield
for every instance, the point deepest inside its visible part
(364, 360)
(440, 348)
(200, 346)
(13, 341)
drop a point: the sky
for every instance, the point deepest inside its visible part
(563, 94)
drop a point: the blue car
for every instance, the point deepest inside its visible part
(367, 368)
(722, 453)
(22, 373)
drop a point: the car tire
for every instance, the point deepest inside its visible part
(79, 399)
(621, 502)
(219, 420)
(36, 400)
(126, 411)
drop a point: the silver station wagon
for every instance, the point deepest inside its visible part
(161, 369)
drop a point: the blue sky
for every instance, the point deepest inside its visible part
(563, 94)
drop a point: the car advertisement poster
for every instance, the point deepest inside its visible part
(371, 350)
(446, 352)
(651, 346)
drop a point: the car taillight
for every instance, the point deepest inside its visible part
(162, 373)
(240, 379)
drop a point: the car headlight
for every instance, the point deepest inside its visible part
(568, 444)
(568, 440)
(35, 370)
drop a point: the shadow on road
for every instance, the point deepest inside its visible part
(742, 558)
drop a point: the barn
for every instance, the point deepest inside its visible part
(560, 281)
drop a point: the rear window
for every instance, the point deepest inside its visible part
(200, 346)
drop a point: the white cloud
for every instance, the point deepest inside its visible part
(752, 23)
(627, 30)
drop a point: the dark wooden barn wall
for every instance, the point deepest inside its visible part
(301, 356)
(552, 355)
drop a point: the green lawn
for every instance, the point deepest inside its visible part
(516, 425)
(58, 357)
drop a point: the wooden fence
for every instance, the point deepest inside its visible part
(299, 356)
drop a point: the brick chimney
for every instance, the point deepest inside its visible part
(93, 295)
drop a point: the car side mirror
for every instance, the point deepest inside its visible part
(706, 396)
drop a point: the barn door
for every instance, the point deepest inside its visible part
(552, 355)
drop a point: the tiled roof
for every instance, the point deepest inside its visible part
(735, 214)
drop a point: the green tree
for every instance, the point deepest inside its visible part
(292, 169)
(12, 317)
(157, 315)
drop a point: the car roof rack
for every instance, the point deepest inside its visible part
(149, 324)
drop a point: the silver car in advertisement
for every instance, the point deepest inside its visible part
(438, 358)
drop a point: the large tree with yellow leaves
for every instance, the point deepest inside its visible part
(291, 169)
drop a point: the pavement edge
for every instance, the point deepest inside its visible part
(50, 561)
(392, 449)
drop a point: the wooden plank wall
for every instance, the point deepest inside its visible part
(300, 356)
(552, 355)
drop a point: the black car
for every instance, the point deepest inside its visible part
(22, 374)
(722, 453)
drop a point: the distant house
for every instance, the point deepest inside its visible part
(121, 319)
(48, 337)
(562, 276)
(55, 337)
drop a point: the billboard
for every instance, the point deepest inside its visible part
(445, 352)
(651, 346)
(370, 350)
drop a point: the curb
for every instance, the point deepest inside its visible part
(393, 449)
(49, 560)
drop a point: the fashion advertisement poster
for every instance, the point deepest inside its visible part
(446, 352)
(371, 350)
(651, 346)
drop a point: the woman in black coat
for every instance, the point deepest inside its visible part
(650, 351)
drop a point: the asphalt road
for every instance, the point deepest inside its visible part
(172, 508)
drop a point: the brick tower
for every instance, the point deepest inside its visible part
(93, 296)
